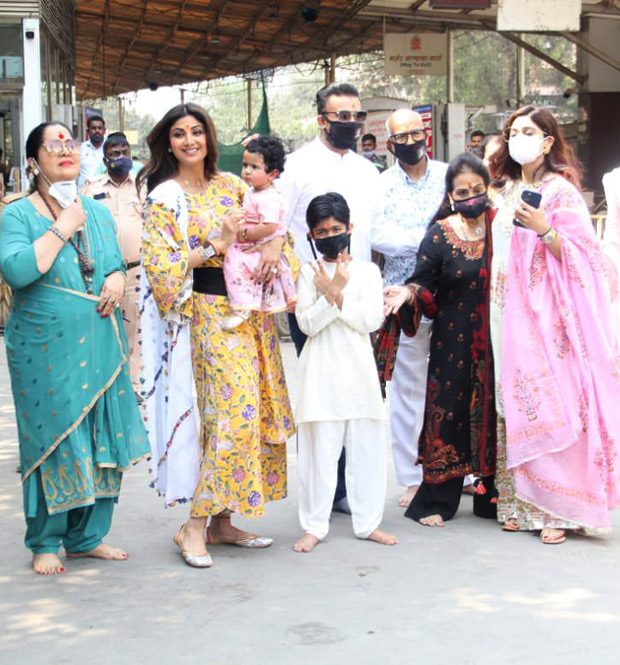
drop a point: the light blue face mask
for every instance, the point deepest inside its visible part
(369, 154)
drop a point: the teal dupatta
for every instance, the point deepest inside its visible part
(77, 416)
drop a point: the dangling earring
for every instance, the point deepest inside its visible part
(452, 205)
(36, 172)
(169, 149)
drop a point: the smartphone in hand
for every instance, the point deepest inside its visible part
(531, 198)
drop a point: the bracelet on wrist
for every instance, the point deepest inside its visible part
(54, 231)
(548, 236)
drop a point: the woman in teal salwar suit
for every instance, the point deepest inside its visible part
(78, 422)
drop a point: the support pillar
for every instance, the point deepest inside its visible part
(599, 101)
(31, 107)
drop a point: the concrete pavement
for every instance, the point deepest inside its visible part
(468, 594)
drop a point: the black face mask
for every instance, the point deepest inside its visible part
(344, 135)
(332, 246)
(472, 207)
(409, 153)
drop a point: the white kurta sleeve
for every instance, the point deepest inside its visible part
(288, 186)
(312, 314)
(365, 313)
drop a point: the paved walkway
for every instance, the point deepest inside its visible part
(467, 594)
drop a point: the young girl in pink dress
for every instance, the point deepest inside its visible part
(263, 161)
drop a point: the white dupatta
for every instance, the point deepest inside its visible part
(167, 379)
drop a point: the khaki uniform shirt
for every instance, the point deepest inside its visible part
(126, 208)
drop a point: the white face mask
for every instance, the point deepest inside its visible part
(65, 192)
(525, 149)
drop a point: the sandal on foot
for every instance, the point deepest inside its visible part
(550, 536)
(250, 542)
(190, 558)
(510, 525)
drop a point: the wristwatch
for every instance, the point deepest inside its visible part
(549, 236)
(206, 252)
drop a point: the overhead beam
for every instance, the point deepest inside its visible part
(199, 43)
(510, 36)
(130, 45)
(247, 32)
(104, 28)
(592, 50)
(168, 40)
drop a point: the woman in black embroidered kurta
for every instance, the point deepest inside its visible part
(450, 285)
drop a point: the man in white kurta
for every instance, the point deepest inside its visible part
(339, 400)
(320, 167)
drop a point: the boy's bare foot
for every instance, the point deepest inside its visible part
(383, 538)
(407, 497)
(47, 564)
(306, 543)
(432, 520)
(102, 551)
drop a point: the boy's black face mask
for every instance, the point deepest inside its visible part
(332, 246)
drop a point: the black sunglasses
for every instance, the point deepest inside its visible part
(347, 116)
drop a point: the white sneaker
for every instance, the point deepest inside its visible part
(234, 321)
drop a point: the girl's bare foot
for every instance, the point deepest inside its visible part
(432, 520)
(102, 551)
(383, 538)
(47, 564)
(407, 497)
(306, 543)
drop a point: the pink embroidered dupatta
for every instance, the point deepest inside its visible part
(561, 367)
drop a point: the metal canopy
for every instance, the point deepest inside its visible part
(126, 45)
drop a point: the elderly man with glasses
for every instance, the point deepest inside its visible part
(329, 164)
(411, 192)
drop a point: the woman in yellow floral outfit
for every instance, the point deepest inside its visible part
(236, 461)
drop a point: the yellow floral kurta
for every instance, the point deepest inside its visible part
(243, 401)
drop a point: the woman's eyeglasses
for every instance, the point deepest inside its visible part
(347, 116)
(55, 146)
(416, 135)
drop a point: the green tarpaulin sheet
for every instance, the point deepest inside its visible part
(231, 156)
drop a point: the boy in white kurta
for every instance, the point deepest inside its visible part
(340, 302)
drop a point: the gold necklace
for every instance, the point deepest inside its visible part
(200, 185)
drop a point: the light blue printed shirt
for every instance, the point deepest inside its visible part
(403, 211)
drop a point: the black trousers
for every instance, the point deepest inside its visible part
(444, 499)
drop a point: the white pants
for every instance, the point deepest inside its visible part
(320, 445)
(407, 400)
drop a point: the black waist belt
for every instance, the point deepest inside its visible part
(210, 280)
(132, 264)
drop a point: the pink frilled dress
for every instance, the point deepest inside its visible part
(558, 368)
(244, 293)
